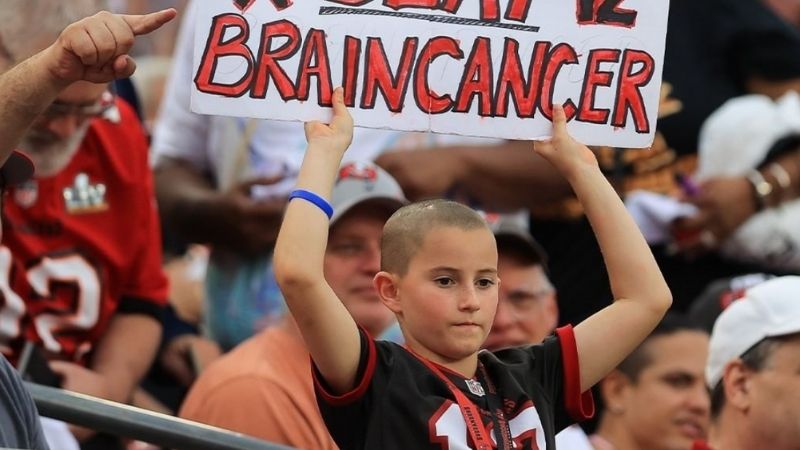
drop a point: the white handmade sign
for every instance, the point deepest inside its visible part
(489, 68)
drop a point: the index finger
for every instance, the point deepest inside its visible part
(143, 24)
(559, 121)
(341, 116)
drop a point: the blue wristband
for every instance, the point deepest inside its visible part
(320, 202)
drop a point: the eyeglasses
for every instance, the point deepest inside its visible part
(60, 109)
(523, 301)
(81, 112)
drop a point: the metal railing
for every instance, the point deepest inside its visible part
(136, 423)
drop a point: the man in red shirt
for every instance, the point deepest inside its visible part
(80, 263)
(26, 90)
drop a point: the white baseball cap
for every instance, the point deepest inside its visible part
(769, 309)
(361, 181)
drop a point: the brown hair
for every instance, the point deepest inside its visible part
(406, 229)
(756, 358)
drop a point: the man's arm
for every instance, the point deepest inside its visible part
(125, 353)
(190, 203)
(121, 359)
(770, 88)
(192, 207)
(327, 327)
(503, 176)
(94, 49)
(641, 294)
(26, 90)
(726, 202)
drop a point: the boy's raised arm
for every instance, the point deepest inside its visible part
(641, 294)
(327, 327)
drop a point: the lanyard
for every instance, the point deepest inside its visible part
(503, 433)
(472, 414)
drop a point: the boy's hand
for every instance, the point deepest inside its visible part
(336, 136)
(96, 48)
(564, 152)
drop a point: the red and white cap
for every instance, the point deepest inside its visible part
(769, 309)
(361, 181)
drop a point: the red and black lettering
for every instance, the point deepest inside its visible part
(478, 79)
(605, 12)
(428, 101)
(560, 55)
(399, 4)
(315, 48)
(280, 5)
(524, 92)
(594, 78)
(378, 75)
(268, 66)
(216, 48)
(351, 2)
(518, 10)
(351, 64)
(629, 95)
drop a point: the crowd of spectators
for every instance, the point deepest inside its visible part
(139, 257)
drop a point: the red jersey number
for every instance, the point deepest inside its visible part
(72, 270)
(450, 431)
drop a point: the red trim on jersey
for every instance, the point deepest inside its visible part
(442, 440)
(361, 385)
(701, 445)
(580, 406)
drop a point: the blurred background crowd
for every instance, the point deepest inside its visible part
(142, 249)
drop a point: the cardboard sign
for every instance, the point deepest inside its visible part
(489, 68)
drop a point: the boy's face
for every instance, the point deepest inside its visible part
(352, 259)
(448, 296)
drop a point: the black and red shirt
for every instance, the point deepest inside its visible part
(398, 403)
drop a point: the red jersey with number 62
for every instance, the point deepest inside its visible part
(85, 243)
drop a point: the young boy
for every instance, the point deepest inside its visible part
(439, 276)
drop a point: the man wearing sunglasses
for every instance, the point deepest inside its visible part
(80, 261)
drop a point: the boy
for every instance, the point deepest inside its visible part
(439, 277)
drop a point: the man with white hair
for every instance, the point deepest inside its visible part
(81, 275)
(26, 89)
(753, 370)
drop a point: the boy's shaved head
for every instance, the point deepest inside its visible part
(406, 229)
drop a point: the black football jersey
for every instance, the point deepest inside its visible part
(398, 403)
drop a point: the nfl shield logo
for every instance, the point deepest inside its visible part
(25, 194)
(475, 387)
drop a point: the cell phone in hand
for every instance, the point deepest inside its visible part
(34, 366)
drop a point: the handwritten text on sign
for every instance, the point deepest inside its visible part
(480, 67)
